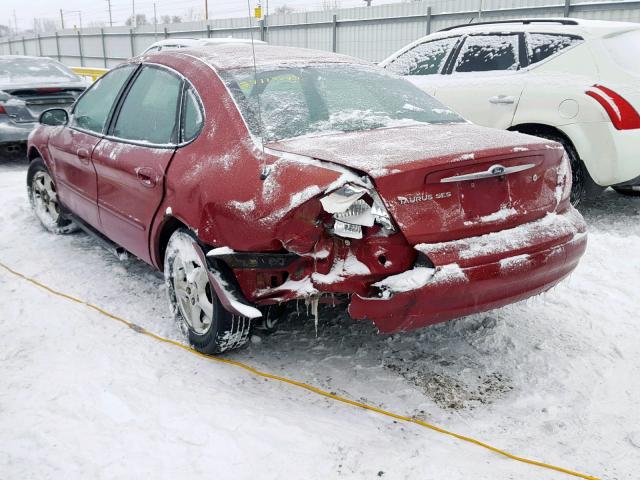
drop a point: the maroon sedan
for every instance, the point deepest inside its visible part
(303, 175)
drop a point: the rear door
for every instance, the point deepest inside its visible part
(132, 159)
(72, 146)
(485, 83)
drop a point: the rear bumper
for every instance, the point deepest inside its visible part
(11, 132)
(611, 156)
(455, 291)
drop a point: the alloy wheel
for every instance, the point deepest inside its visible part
(193, 294)
(45, 198)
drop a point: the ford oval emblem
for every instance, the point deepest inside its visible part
(497, 170)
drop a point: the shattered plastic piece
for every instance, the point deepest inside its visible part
(341, 199)
(359, 213)
(403, 282)
(216, 252)
(347, 230)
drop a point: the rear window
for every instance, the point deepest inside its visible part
(289, 102)
(484, 53)
(34, 70)
(625, 50)
(544, 45)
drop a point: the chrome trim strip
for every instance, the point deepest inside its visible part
(493, 171)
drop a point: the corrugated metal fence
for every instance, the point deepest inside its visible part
(371, 33)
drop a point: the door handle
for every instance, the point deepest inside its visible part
(83, 155)
(146, 176)
(507, 99)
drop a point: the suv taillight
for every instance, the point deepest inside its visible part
(622, 114)
(2, 110)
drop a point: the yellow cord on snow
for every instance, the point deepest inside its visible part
(296, 383)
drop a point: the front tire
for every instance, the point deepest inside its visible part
(196, 308)
(43, 197)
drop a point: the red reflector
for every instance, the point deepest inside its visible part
(48, 90)
(622, 114)
(2, 110)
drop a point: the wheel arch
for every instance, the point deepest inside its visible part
(169, 225)
(536, 129)
(592, 189)
(33, 153)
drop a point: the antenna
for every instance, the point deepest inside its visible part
(264, 173)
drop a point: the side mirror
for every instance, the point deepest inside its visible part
(54, 117)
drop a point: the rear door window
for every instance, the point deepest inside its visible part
(425, 59)
(192, 119)
(93, 108)
(543, 45)
(149, 112)
(484, 53)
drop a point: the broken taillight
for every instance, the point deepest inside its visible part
(354, 207)
(563, 189)
(622, 114)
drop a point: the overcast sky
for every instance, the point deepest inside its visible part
(97, 10)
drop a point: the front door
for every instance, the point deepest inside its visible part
(76, 181)
(132, 159)
(72, 147)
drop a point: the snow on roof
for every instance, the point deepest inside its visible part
(189, 42)
(23, 57)
(239, 55)
(584, 28)
(589, 27)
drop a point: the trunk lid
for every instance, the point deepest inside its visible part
(28, 102)
(446, 182)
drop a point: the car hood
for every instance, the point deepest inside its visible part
(382, 151)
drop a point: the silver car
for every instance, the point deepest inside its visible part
(29, 86)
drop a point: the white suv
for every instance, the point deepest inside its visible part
(574, 81)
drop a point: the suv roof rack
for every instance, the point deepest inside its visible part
(525, 21)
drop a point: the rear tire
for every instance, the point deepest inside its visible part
(43, 197)
(196, 308)
(581, 182)
(630, 191)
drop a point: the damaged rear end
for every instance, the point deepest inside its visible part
(400, 233)
(438, 235)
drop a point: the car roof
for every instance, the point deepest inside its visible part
(585, 28)
(200, 41)
(241, 55)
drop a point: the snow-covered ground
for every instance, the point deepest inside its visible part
(556, 378)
